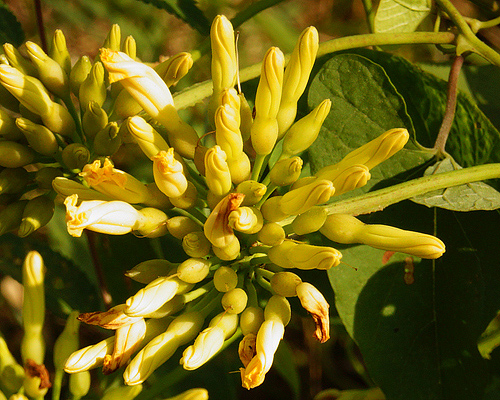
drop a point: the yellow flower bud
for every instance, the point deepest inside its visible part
(271, 234)
(234, 301)
(192, 394)
(111, 217)
(264, 132)
(247, 347)
(8, 127)
(181, 330)
(15, 155)
(79, 73)
(285, 283)
(316, 305)
(251, 319)
(304, 132)
(94, 119)
(13, 180)
(114, 318)
(11, 373)
(300, 200)
(195, 244)
(310, 221)
(130, 47)
(253, 191)
(151, 92)
(188, 199)
(107, 140)
(217, 171)
(59, 51)
(75, 156)
(93, 88)
(227, 130)
(17, 61)
(122, 392)
(147, 271)
(79, 384)
(246, 219)
(125, 105)
(303, 182)
(37, 213)
(66, 187)
(351, 178)
(296, 76)
(287, 171)
(278, 308)
(89, 357)
(33, 343)
(193, 270)
(306, 256)
(271, 209)
(225, 279)
(216, 227)
(36, 380)
(180, 226)
(157, 198)
(228, 253)
(113, 38)
(153, 224)
(148, 139)
(278, 254)
(41, 139)
(342, 228)
(50, 72)
(11, 216)
(44, 177)
(168, 174)
(67, 342)
(171, 307)
(174, 68)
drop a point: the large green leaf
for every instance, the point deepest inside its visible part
(401, 15)
(10, 28)
(364, 105)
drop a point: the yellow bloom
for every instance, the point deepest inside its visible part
(316, 305)
(216, 228)
(89, 357)
(300, 200)
(114, 318)
(217, 171)
(168, 174)
(148, 139)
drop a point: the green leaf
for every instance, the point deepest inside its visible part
(185, 10)
(10, 28)
(364, 105)
(401, 15)
(470, 197)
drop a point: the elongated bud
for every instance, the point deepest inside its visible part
(66, 187)
(8, 127)
(50, 72)
(251, 319)
(111, 217)
(130, 47)
(11, 373)
(271, 209)
(217, 171)
(11, 216)
(216, 228)
(79, 73)
(306, 256)
(227, 130)
(37, 213)
(287, 171)
(114, 318)
(246, 219)
(180, 226)
(181, 330)
(234, 301)
(59, 120)
(151, 92)
(153, 223)
(75, 156)
(304, 132)
(296, 76)
(300, 200)
(33, 343)
(94, 119)
(149, 270)
(67, 342)
(271, 234)
(264, 132)
(225, 279)
(45, 176)
(188, 199)
(279, 254)
(41, 139)
(122, 393)
(13, 180)
(113, 38)
(193, 270)
(229, 252)
(148, 139)
(89, 357)
(108, 140)
(310, 221)
(17, 61)
(174, 68)
(285, 283)
(253, 191)
(278, 308)
(168, 174)
(79, 384)
(59, 51)
(195, 244)
(93, 88)
(351, 178)
(316, 305)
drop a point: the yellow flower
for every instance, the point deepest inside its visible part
(316, 305)
(216, 228)
(168, 174)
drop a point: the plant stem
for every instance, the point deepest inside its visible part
(379, 199)
(259, 162)
(56, 384)
(40, 25)
(451, 105)
(370, 15)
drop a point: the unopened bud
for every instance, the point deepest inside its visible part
(229, 252)
(271, 234)
(251, 319)
(246, 117)
(13, 180)
(217, 171)
(59, 51)
(113, 38)
(300, 200)
(246, 219)
(193, 270)
(93, 88)
(306, 256)
(94, 119)
(285, 283)
(41, 139)
(271, 209)
(225, 279)
(149, 270)
(195, 244)
(130, 47)
(66, 187)
(153, 223)
(8, 127)
(79, 73)
(89, 357)
(17, 61)
(173, 69)
(351, 178)
(67, 342)
(37, 213)
(79, 384)
(180, 226)
(188, 199)
(15, 155)
(279, 254)
(75, 156)
(287, 171)
(279, 308)
(234, 301)
(253, 191)
(168, 174)
(107, 140)
(310, 221)
(148, 139)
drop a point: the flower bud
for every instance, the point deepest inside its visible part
(247, 348)
(234, 301)
(15, 155)
(195, 244)
(50, 72)
(315, 304)
(67, 342)
(217, 171)
(37, 213)
(157, 198)
(59, 120)
(89, 357)
(193, 270)
(11, 373)
(253, 191)
(246, 219)
(229, 252)
(11, 216)
(168, 174)
(148, 139)
(199, 158)
(122, 393)
(278, 254)
(271, 209)
(66, 187)
(8, 127)
(17, 61)
(13, 180)
(296, 76)
(107, 140)
(240, 168)
(342, 228)
(278, 308)
(59, 51)
(75, 156)
(227, 130)
(113, 38)
(125, 105)
(36, 380)
(79, 73)
(114, 318)
(351, 178)
(174, 68)
(251, 319)
(264, 132)
(285, 283)
(287, 171)
(271, 234)
(225, 279)
(246, 117)
(153, 223)
(300, 200)
(188, 199)
(304, 132)
(148, 271)
(94, 119)
(216, 227)
(310, 221)
(93, 88)
(181, 330)
(79, 384)
(192, 394)
(44, 177)
(180, 226)
(41, 139)
(111, 217)
(306, 256)
(130, 47)
(171, 307)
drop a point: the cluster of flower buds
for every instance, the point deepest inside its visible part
(219, 194)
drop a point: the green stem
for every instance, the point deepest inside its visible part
(187, 214)
(370, 15)
(265, 273)
(72, 110)
(488, 24)
(379, 199)
(194, 294)
(259, 162)
(263, 283)
(57, 384)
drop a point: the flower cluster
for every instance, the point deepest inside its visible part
(237, 200)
